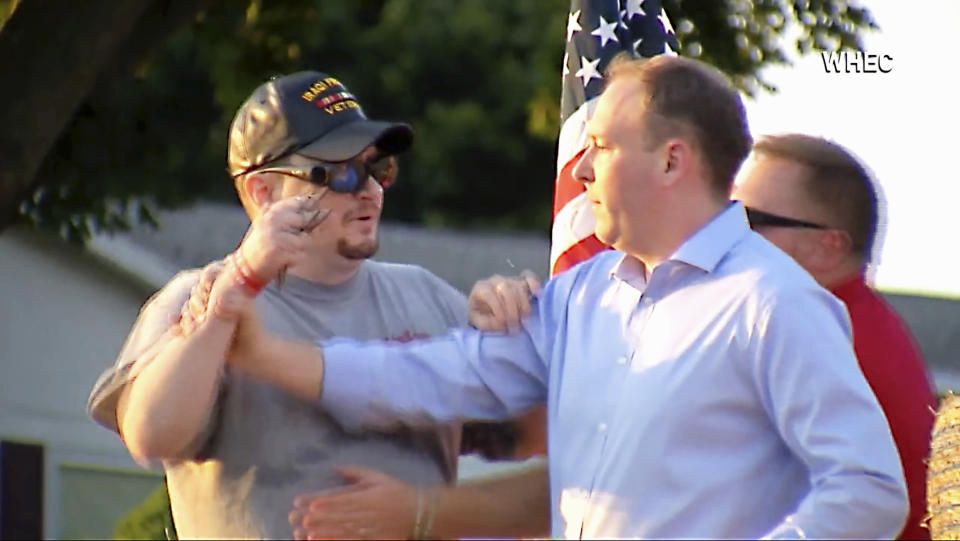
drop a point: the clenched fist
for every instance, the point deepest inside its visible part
(278, 239)
(499, 303)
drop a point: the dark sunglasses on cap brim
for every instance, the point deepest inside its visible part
(342, 177)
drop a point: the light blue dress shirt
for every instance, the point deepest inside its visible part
(718, 398)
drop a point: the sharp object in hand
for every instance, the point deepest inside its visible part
(318, 217)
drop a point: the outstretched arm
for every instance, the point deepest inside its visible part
(377, 506)
(463, 375)
(466, 374)
(496, 304)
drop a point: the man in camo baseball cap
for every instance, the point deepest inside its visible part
(312, 114)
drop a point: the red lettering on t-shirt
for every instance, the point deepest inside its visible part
(407, 336)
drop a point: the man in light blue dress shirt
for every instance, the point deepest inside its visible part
(698, 382)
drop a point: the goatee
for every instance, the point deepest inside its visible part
(359, 250)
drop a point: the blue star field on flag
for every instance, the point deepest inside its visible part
(599, 29)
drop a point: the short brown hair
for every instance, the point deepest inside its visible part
(837, 182)
(685, 97)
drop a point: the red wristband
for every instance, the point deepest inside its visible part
(247, 271)
(245, 276)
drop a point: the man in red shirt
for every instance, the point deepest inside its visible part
(814, 200)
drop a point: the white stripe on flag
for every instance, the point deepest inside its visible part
(572, 224)
(573, 134)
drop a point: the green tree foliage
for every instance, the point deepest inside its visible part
(478, 79)
(149, 520)
(742, 36)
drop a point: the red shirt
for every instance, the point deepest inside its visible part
(894, 368)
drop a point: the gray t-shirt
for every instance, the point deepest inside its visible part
(263, 447)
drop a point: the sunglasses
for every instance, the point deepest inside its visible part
(758, 218)
(343, 177)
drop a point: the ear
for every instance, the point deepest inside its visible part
(257, 189)
(833, 249)
(677, 159)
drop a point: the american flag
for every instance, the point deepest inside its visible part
(596, 31)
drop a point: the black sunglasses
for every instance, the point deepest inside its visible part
(758, 218)
(343, 177)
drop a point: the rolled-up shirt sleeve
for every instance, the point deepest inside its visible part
(466, 374)
(827, 415)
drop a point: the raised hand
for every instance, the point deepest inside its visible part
(499, 303)
(278, 238)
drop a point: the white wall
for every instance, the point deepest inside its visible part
(63, 317)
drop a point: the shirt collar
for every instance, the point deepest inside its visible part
(707, 246)
(703, 250)
(630, 270)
